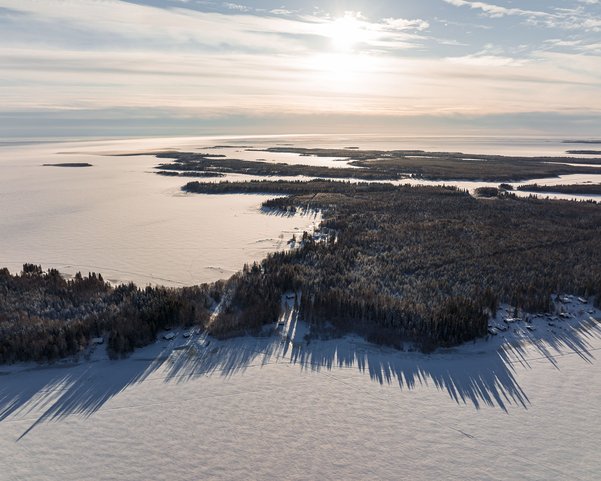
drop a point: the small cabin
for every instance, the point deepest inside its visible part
(97, 341)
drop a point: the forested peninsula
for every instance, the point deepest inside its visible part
(427, 265)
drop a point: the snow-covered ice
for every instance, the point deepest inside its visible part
(522, 405)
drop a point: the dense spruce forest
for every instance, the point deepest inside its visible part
(421, 263)
(287, 187)
(584, 189)
(44, 317)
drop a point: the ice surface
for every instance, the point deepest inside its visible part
(519, 407)
(523, 405)
(120, 219)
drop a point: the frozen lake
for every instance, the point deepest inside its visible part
(120, 219)
(522, 408)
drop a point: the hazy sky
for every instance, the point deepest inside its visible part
(70, 67)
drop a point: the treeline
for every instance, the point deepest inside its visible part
(584, 189)
(428, 264)
(585, 152)
(44, 317)
(287, 187)
(172, 173)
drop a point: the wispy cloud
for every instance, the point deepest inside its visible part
(181, 26)
(214, 59)
(575, 18)
(237, 7)
(495, 10)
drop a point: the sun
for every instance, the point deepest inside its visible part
(348, 66)
(346, 32)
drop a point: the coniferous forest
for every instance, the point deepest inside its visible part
(44, 316)
(421, 264)
(381, 165)
(583, 189)
(425, 264)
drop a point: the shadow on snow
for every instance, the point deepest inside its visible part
(478, 374)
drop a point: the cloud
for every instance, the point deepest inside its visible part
(577, 18)
(494, 11)
(110, 55)
(237, 7)
(190, 28)
(211, 85)
(405, 24)
(484, 60)
(281, 11)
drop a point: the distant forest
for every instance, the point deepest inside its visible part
(371, 165)
(421, 264)
(583, 189)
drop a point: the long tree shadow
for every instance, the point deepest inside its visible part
(480, 374)
(52, 392)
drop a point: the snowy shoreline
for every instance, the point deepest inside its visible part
(188, 353)
(199, 408)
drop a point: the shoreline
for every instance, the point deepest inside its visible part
(200, 355)
(331, 196)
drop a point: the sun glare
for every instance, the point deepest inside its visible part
(344, 67)
(346, 32)
(342, 72)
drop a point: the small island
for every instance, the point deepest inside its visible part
(69, 164)
(584, 152)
